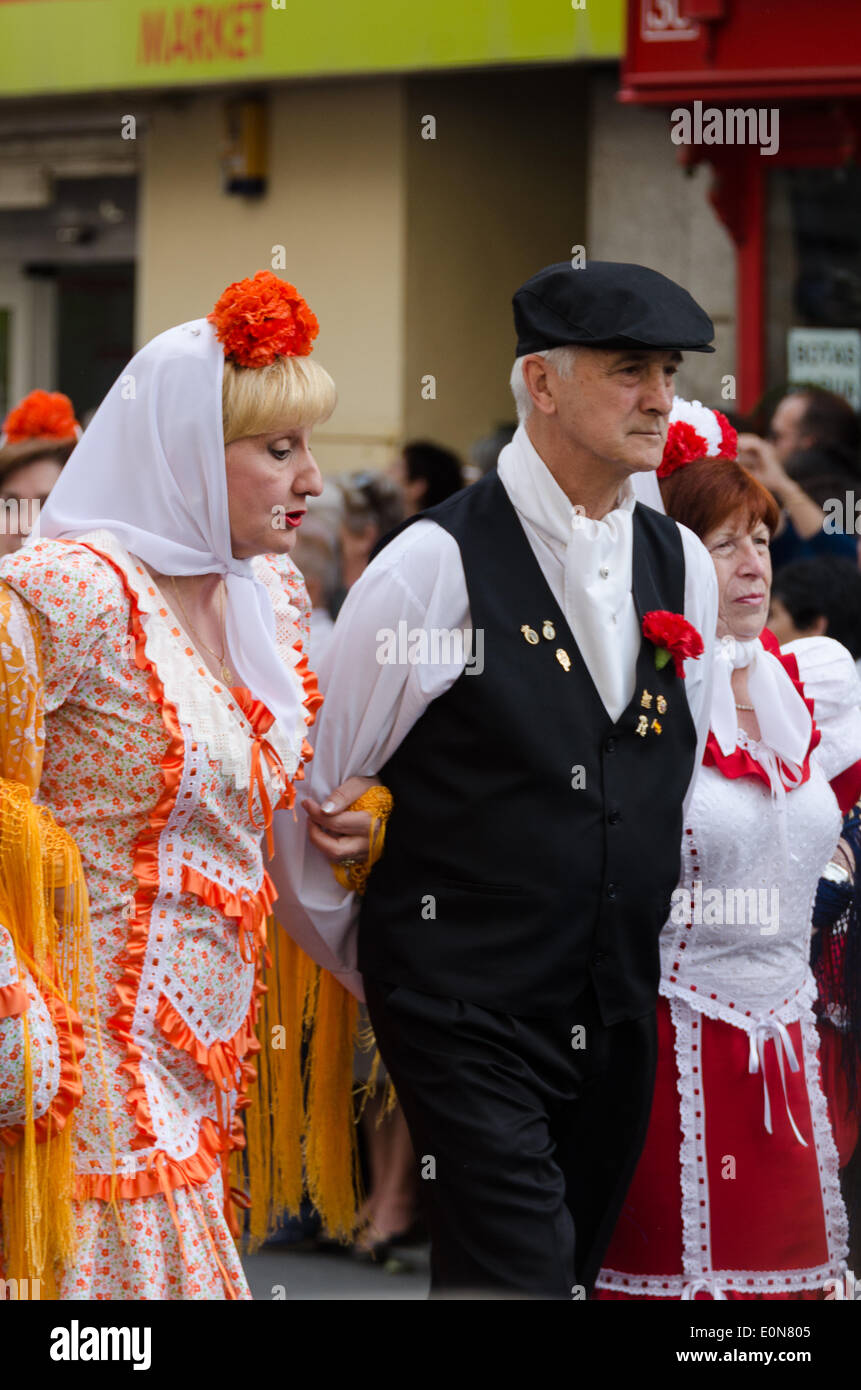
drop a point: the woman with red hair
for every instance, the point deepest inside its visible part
(737, 1192)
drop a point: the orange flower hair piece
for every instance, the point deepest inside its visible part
(261, 319)
(41, 415)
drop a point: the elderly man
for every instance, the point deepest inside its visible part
(508, 938)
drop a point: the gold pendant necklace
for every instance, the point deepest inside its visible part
(226, 673)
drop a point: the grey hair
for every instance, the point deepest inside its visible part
(560, 358)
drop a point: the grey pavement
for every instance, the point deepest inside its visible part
(290, 1273)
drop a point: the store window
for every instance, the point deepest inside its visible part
(813, 255)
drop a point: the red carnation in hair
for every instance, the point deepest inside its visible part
(684, 445)
(728, 438)
(261, 319)
(41, 415)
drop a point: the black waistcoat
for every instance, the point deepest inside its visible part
(534, 842)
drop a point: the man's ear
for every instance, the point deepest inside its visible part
(819, 626)
(535, 376)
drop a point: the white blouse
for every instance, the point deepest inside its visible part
(736, 945)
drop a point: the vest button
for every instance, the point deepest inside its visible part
(611, 890)
(614, 817)
(610, 746)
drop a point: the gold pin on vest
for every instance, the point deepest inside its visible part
(548, 630)
(662, 705)
(530, 634)
(563, 658)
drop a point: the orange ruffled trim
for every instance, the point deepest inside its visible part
(14, 1000)
(220, 1062)
(69, 1031)
(196, 1169)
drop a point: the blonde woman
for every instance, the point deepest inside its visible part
(160, 625)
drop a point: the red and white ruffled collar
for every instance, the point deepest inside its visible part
(784, 713)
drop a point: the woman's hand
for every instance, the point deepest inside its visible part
(336, 832)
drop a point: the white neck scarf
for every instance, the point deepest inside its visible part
(784, 720)
(597, 560)
(150, 468)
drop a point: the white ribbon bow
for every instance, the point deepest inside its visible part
(710, 1286)
(785, 725)
(784, 720)
(783, 1044)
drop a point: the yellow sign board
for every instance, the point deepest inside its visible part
(91, 45)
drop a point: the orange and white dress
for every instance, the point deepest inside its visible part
(163, 778)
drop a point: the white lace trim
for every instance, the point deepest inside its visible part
(727, 1281)
(795, 1008)
(202, 704)
(828, 1159)
(696, 1222)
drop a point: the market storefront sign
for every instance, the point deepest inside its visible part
(92, 45)
(202, 33)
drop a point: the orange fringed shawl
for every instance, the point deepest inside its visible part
(41, 880)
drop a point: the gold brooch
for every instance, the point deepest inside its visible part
(642, 726)
(646, 700)
(530, 634)
(661, 705)
(563, 658)
(548, 630)
(657, 726)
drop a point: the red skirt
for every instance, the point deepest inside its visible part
(718, 1206)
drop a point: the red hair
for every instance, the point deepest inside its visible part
(706, 493)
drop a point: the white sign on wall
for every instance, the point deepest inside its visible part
(828, 357)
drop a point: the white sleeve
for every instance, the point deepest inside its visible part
(376, 686)
(701, 609)
(830, 680)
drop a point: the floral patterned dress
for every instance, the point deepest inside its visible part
(164, 778)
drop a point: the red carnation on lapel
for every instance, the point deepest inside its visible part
(674, 637)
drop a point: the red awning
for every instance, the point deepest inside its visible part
(680, 51)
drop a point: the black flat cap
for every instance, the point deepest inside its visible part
(608, 304)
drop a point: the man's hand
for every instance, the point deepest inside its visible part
(336, 832)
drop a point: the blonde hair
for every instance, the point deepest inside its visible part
(291, 393)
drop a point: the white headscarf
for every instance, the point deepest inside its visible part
(150, 468)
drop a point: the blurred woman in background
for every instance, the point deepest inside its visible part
(38, 436)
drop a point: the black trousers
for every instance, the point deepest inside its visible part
(525, 1144)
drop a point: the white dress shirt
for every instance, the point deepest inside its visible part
(417, 582)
